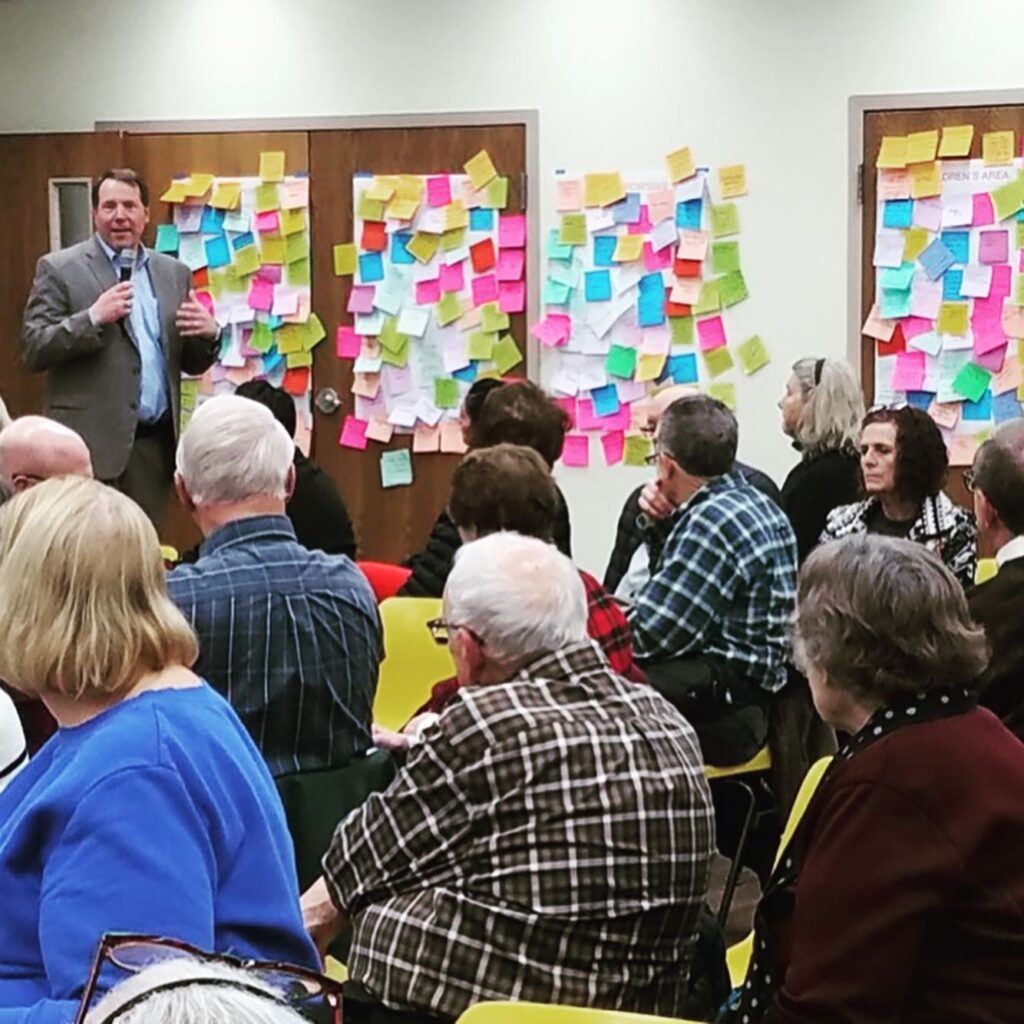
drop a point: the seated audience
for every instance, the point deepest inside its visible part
(13, 752)
(903, 465)
(998, 484)
(629, 567)
(901, 895)
(709, 626)
(549, 839)
(515, 413)
(821, 411)
(150, 810)
(291, 637)
(316, 510)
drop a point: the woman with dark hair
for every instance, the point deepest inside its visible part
(495, 412)
(903, 466)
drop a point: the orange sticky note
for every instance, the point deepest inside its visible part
(451, 437)
(680, 164)
(379, 430)
(426, 439)
(480, 169)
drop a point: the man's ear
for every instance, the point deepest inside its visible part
(289, 483)
(985, 511)
(183, 496)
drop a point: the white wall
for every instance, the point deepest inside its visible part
(617, 85)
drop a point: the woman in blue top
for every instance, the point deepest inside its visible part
(151, 810)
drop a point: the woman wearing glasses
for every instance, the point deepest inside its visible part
(903, 466)
(150, 810)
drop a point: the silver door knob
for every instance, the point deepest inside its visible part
(328, 401)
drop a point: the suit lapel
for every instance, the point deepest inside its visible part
(166, 297)
(103, 270)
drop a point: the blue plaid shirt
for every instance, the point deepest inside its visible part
(723, 584)
(291, 638)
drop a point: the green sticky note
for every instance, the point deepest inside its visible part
(1020, 233)
(732, 288)
(709, 300)
(389, 337)
(565, 272)
(682, 329)
(166, 238)
(247, 260)
(725, 220)
(453, 239)
(369, 209)
(446, 393)
(492, 319)
(315, 332)
(294, 360)
(215, 282)
(725, 392)
(189, 390)
(396, 357)
(718, 360)
(556, 250)
(481, 345)
(266, 198)
(496, 194)
(972, 382)
(636, 450)
(262, 339)
(621, 362)
(396, 468)
(1007, 199)
(1018, 290)
(448, 309)
(753, 354)
(296, 247)
(725, 257)
(297, 273)
(573, 230)
(555, 293)
(506, 354)
(234, 281)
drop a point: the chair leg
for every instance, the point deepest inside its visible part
(734, 870)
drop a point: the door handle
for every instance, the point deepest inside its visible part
(328, 401)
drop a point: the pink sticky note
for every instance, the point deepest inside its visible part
(568, 194)
(988, 309)
(928, 214)
(1002, 277)
(1008, 379)
(568, 406)
(261, 295)
(585, 418)
(428, 292)
(992, 360)
(512, 297)
(360, 299)
(270, 272)
(660, 260)
(245, 348)
(268, 223)
(510, 265)
(925, 300)
(983, 212)
(613, 444)
(512, 230)
(453, 277)
(439, 190)
(576, 450)
(347, 343)
(553, 330)
(661, 203)
(353, 433)
(908, 371)
(988, 335)
(485, 289)
(205, 299)
(643, 226)
(993, 246)
(617, 420)
(711, 333)
(915, 325)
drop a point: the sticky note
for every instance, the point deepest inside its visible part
(482, 255)
(921, 146)
(753, 355)
(485, 289)
(997, 148)
(637, 448)
(573, 229)
(682, 330)
(175, 192)
(198, 184)
(972, 381)
(732, 181)
(895, 303)
(925, 180)
(898, 277)
(452, 277)
(511, 264)
(448, 310)
(612, 445)
(649, 366)
(455, 216)
(1008, 199)
(597, 285)
(683, 368)
(272, 166)
(732, 288)
(628, 248)
(952, 281)
(916, 241)
(480, 345)
(512, 230)
(576, 450)
(956, 140)
(993, 247)
(725, 392)
(603, 189)
(893, 151)
(506, 354)
(718, 361)
(952, 318)
(936, 259)
(568, 194)
(680, 164)
(496, 193)
(166, 238)
(688, 214)
(353, 433)
(709, 299)
(621, 361)
(423, 246)
(446, 393)
(725, 220)
(266, 198)
(711, 333)
(512, 296)
(480, 169)
(217, 252)
(396, 468)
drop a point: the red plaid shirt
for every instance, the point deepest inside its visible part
(606, 623)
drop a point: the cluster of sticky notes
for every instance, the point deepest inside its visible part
(437, 270)
(948, 314)
(247, 242)
(641, 276)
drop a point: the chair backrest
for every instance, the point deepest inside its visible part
(542, 1013)
(803, 798)
(985, 570)
(385, 579)
(413, 662)
(314, 803)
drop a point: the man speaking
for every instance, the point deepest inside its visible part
(113, 325)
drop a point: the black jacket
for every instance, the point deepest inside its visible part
(321, 521)
(814, 487)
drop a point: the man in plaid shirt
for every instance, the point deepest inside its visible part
(709, 626)
(548, 840)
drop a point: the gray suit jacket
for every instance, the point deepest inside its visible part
(92, 373)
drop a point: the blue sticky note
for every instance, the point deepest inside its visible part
(606, 400)
(683, 369)
(898, 213)
(557, 251)
(604, 249)
(243, 240)
(1020, 214)
(920, 399)
(958, 243)
(556, 293)
(273, 322)
(166, 238)
(271, 361)
(1005, 407)
(653, 284)
(979, 410)
(627, 211)
(900, 277)
(371, 267)
(936, 259)
(467, 374)
(481, 220)
(688, 214)
(952, 281)
(598, 285)
(650, 310)
(217, 252)
(895, 303)
(212, 222)
(399, 240)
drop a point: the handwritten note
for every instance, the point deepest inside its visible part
(732, 181)
(680, 164)
(997, 148)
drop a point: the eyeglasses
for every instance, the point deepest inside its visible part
(301, 989)
(441, 630)
(970, 481)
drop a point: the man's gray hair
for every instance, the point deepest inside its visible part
(999, 474)
(233, 449)
(701, 434)
(882, 617)
(519, 595)
(218, 995)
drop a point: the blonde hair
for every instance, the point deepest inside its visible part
(833, 405)
(83, 600)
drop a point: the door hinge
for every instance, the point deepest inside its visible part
(860, 184)
(523, 181)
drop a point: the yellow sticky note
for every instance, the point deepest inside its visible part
(732, 181)
(893, 151)
(409, 186)
(628, 248)
(272, 249)
(492, 319)
(401, 208)
(603, 189)
(649, 366)
(289, 339)
(448, 309)
(496, 194)
(198, 185)
(272, 166)
(302, 358)
(718, 360)
(573, 230)
(247, 261)
(315, 331)
(680, 164)
(506, 354)
(480, 169)
(296, 247)
(293, 221)
(921, 146)
(725, 220)
(636, 450)
(710, 300)
(753, 355)
(925, 180)
(456, 215)
(956, 140)
(453, 239)
(423, 246)
(381, 190)
(915, 243)
(226, 195)
(266, 198)
(175, 193)
(725, 392)
(481, 345)
(997, 148)
(952, 318)
(369, 209)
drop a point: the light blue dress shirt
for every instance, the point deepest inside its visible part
(145, 318)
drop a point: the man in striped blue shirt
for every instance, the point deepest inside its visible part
(709, 626)
(291, 637)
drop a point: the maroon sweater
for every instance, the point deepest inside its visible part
(910, 901)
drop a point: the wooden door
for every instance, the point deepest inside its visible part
(393, 523)
(27, 163)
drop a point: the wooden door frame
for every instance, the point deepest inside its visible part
(529, 118)
(859, 106)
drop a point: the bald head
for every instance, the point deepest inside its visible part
(657, 404)
(34, 448)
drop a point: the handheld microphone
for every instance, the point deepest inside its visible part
(126, 263)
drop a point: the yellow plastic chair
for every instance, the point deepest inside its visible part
(985, 570)
(542, 1013)
(737, 957)
(413, 662)
(760, 762)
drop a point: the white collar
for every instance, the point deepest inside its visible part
(1010, 550)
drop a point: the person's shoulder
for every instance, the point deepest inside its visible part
(1006, 585)
(72, 256)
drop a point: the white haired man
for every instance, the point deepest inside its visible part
(291, 637)
(548, 840)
